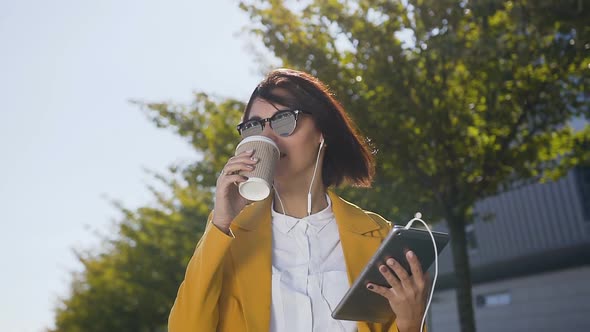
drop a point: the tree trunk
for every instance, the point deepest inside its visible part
(462, 272)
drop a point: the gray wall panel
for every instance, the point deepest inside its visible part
(575, 204)
(531, 219)
(567, 212)
(520, 222)
(532, 224)
(534, 218)
(555, 301)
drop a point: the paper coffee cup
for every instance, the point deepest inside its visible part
(260, 179)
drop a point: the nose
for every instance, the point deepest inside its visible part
(268, 132)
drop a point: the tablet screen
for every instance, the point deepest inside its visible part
(359, 303)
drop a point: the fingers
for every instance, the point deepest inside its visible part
(381, 290)
(245, 156)
(407, 295)
(401, 273)
(402, 284)
(425, 284)
(416, 268)
(391, 279)
(243, 162)
(237, 167)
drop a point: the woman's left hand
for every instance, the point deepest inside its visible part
(407, 295)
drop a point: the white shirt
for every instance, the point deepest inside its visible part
(308, 273)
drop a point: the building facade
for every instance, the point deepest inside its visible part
(530, 263)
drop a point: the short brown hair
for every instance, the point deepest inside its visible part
(347, 156)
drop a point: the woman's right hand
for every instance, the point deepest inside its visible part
(228, 201)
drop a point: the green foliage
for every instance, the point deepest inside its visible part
(131, 283)
(477, 98)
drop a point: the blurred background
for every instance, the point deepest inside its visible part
(71, 142)
(118, 115)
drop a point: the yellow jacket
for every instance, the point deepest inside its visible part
(227, 286)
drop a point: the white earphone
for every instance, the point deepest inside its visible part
(313, 177)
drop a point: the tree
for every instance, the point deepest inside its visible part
(130, 283)
(477, 102)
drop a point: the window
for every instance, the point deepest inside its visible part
(493, 299)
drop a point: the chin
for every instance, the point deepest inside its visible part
(281, 166)
(279, 176)
(283, 173)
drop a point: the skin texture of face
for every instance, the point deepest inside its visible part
(298, 151)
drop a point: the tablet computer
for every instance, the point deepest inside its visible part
(361, 304)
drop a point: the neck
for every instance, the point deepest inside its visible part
(294, 199)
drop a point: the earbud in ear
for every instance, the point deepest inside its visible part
(322, 143)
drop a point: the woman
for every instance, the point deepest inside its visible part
(283, 264)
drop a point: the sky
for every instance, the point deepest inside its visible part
(70, 141)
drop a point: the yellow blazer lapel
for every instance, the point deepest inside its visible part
(356, 228)
(252, 256)
(251, 253)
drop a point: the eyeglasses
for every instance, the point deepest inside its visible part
(283, 123)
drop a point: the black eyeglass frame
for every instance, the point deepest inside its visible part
(264, 121)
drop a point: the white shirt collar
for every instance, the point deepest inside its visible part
(316, 221)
